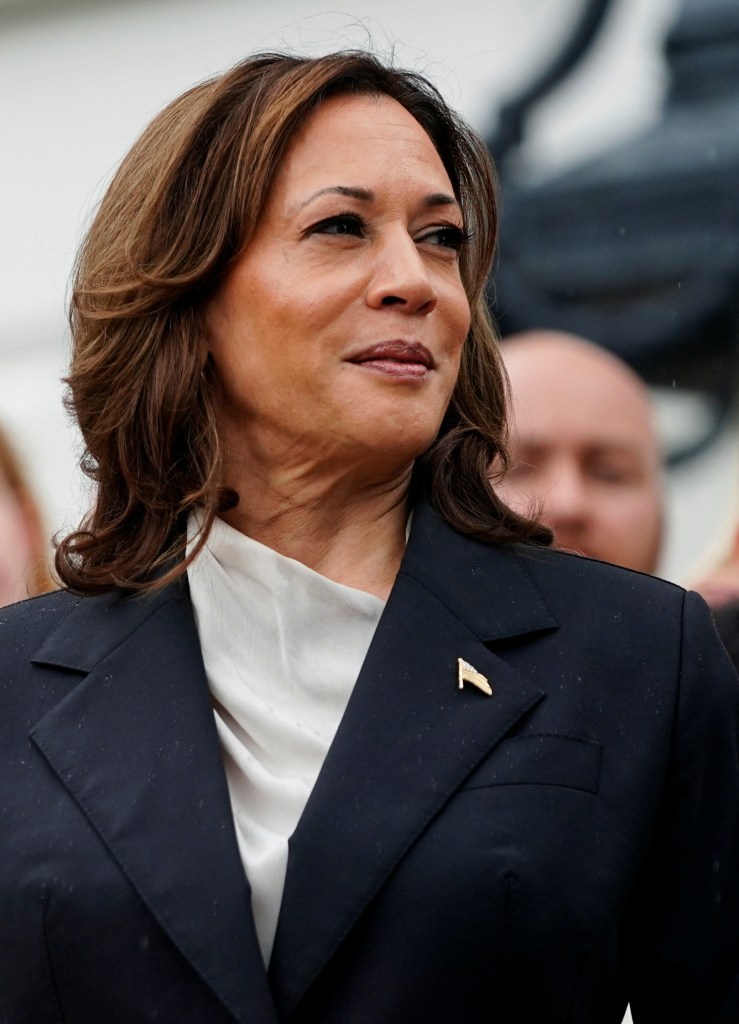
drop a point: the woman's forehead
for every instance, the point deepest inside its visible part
(352, 139)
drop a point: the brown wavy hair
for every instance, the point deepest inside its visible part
(181, 208)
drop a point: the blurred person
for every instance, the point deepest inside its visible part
(23, 559)
(720, 584)
(319, 730)
(584, 448)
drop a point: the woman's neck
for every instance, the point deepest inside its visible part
(349, 528)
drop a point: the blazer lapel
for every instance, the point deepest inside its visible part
(135, 745)
(408, 739)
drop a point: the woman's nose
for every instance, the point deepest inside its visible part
(401, 278)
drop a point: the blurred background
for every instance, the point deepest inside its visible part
(616, 127)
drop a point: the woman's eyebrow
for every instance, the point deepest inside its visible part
(366, 195)
(441, 199)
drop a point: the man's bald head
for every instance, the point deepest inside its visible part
(584, 446)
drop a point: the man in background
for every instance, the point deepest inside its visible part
(584, 449)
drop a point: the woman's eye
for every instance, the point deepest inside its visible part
(448, 236)
(340, 224)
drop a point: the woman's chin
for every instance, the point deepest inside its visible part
(401, 431)
(397, 449)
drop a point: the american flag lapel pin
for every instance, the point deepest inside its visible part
(467, 673)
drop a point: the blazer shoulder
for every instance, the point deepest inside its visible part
(24, 696)
(507, 590)
(603, 599)
(26, 624)
(563, 569)
(436, 549)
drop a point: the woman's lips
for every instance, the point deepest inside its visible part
(396, 358)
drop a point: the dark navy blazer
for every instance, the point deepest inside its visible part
(539, 855)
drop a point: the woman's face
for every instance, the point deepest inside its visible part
(338, 333)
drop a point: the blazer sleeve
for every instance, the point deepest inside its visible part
(684, 939)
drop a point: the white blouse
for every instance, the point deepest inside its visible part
(282, 647)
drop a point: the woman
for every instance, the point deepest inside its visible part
(23, 569)
(298, 612)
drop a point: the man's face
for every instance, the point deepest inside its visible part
(583, 447)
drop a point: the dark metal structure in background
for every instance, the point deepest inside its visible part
(639, 248)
